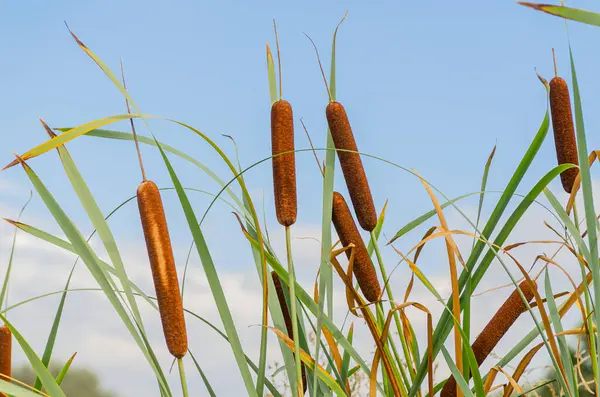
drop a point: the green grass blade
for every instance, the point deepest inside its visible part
(3, 293)
(72, 134)
(574, 14)
(588, 200)
(484, 179)
(377, 230)
(101, 226)
(65, 369)
(207, 384)
(69, 247)
(213, 279)
(15, 390)
(128, 136)
(565, 354)
(460, 380)
(346, 358)
(272, 76)
(41, 371)
(47, 355)
(428, 215)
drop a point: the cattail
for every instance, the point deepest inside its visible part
(5, 354)
(504, 318)
(162, 263)
(564, 131)
(286, 314)
(348, 233)
(284, 166)
(352, 166)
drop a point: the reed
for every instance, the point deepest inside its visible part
(286, 315)
(162, 263)
(348, 233)
(496, 328)
(352, 167)
(564, 130)
(5, 354)
(284, 165)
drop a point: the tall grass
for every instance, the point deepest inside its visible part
(319, 356)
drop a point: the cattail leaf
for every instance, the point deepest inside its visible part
(3, 296)
(521, 367)
(575, 14)
(588, 197)
(47, 355)
(58, 242)
(15, 390)
(272, 77)
(484, 179)
(128, 136)
(377, 230)
(426, 216)
(73, 133)
(464, 387)
(36, 364)
(213, 279)
(101, 226)
(207, 384)
(310, 363)
(63, 371)
(565, 353)
(83, 249)
(344, 373)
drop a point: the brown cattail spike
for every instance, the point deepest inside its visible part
(352, 166)
(499, 325)
(5, 354)
(162, 263)
(564, 131)
(349, 234)
(286, 314)
(284, 165)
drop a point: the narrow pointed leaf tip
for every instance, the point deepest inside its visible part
(575, 14)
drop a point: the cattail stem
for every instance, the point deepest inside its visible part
(137, 144)
(554, 61)
(295, 335)
(390, 295)
(278, 59)
(184, 387)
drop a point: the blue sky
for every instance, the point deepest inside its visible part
(430, 85)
